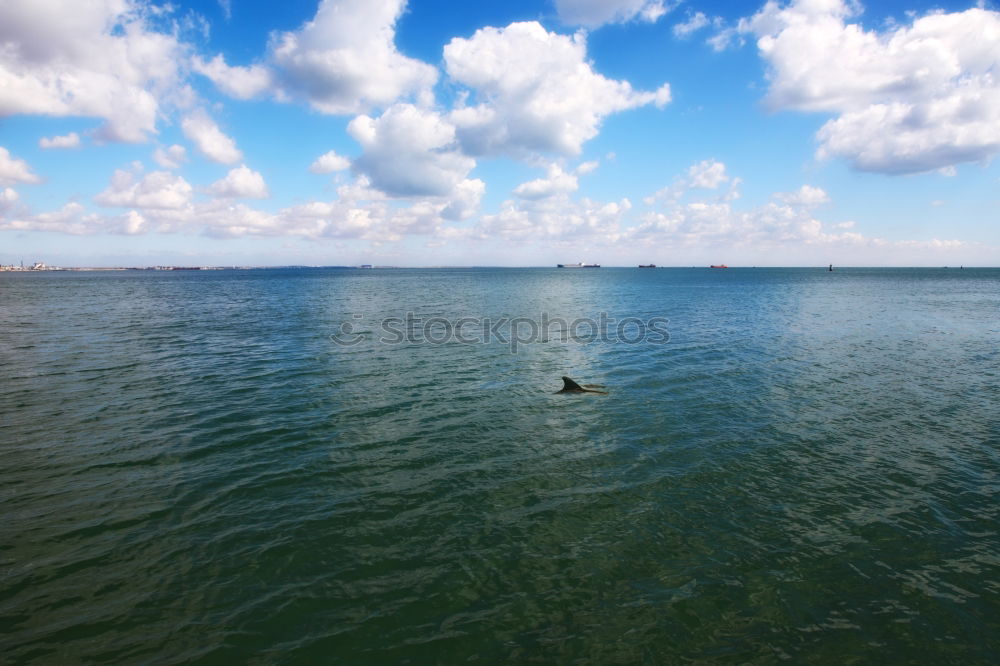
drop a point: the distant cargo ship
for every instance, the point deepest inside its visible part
(719, 266)
(647, 265)
(581, 265)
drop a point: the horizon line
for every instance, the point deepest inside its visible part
(167, 267)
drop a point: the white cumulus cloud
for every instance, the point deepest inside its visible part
(410, 151)
(133, 223)
(806, 196)
(593, 13)
(345, 60)
(8, 199)
(536, 91)
(96, 59)
(556, 217)
(199, 127)
(161, 203)
(786, 221)
(694, 23)
(240, 183)
(71, 140)
(556, 181)
(708, 174)
(14, 170)
(705, 175)
(701, 227)
(238, 82)
(330, 162)
(170, 158)
(463, 201)
(158, 189)
(342, 61)
(910, 98)
(70, 219)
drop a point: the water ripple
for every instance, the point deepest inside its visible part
(193, 470)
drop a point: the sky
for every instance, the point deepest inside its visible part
(515, 133)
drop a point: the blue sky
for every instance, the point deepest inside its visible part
(520, 133)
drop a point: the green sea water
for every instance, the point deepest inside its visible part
(311, 466)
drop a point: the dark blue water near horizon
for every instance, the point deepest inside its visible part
(193, 470)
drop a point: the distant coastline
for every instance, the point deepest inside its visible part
(44, 268)
(39, 267)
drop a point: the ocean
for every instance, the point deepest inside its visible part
(375, 467)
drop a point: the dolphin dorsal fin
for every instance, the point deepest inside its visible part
(570, 385)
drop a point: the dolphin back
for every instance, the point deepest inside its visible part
(570, 385)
